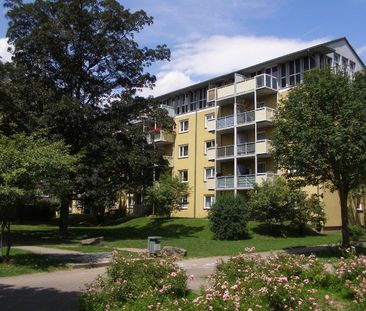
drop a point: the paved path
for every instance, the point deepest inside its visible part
(59, 290)
(54, 291)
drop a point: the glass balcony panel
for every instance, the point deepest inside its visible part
(246, 181)
(225, 122)
(245, 117)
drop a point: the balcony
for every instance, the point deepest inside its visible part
(169, 159)
(245, 86)
(225, 91)
(160, 137)
(169, 109)
(263, 146)
(211, 125)
(266, 81)
(210, 184)
(225, 152)
(211, 153)
(246, 149)
(246, 181)
(244, 118)
(265, 176)
(225, 122)
(264, 114)
(225, 182)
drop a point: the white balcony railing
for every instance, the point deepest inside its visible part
(263, 146)
(225, 182)
(211, 153)
(245, 117)
(225, 151)
(246, 181)
(245, 149)
(225, 122)
(264, 114)
(265, 80)
(265, 176)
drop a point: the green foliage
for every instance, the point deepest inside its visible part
(30, 166)
(277, 201)
(229, 217)
(166, 195)
(356, 233)
(134, 284)
(320, 131)
(40, 211)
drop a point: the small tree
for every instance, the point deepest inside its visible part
(320, 133)
(229, 217)
(30, 166)
(277, 201)
(167, 194)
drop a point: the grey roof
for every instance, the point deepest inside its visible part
(322, 47)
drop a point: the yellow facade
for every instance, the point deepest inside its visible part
(244, 105)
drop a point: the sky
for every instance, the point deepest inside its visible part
(208, 38)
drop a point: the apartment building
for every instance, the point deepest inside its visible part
(222, 139)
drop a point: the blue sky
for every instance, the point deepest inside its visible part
(211, 37)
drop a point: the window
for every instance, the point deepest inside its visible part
(295, 75)
(283, 75)
(261, 105)
(209, 144)
(344, 63)
(261, 135)
(209, 201)
(209, 173)
(209, 117)
(183, 151)
(352, 67)
(183, 126)
(183, 175)
(261, 167)
(184, 203)
(336, 58)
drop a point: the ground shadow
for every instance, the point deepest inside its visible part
(159, 226)
(283, 231)
(35, 299)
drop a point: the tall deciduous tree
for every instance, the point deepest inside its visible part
(320, 133)
(29, 167)
(75, 57)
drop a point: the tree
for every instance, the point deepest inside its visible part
(276, 201)
(29, 167)
(84, 56)
(167, 194)
(228, 217)
(320, 134)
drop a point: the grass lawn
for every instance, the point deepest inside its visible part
(23, 262)
(191, 234)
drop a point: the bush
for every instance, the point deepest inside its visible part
(356, 233)
(229, 217)
(277, 201)
(134, 284)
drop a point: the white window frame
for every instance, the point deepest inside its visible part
(181, 176)
(184, 203)
(209, 117)
(183, 126)
(181, 151)
(212, 201)
(209, 141)
(205, 175)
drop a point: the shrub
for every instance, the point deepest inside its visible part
(277, 201)
(229, 217)
(134, 284)
(356, 233)
(41, 211)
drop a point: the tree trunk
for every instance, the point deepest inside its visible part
(64, 215)
(343, 197)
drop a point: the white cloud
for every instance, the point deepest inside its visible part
(361, 50)
(208, 57)
(5, 56)
(167, 82)
(216, 55)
